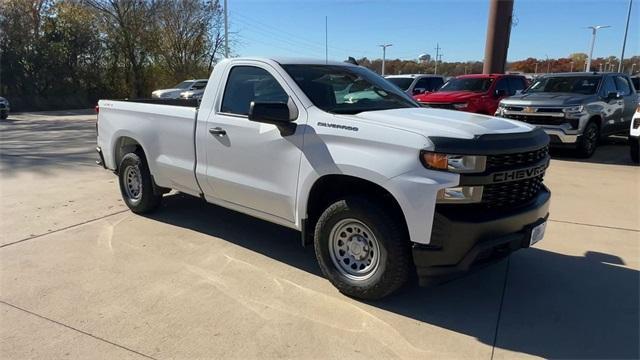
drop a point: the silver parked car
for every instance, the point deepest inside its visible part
(174, 92)
(4, 108)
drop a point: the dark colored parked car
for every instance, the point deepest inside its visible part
(575, 109)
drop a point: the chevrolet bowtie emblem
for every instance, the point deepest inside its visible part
(529, 109)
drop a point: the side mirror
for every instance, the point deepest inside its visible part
(418, 91)
(518, 92)
(501, 92)
(613, 95)
(275, 113)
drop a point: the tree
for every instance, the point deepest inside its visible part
(131, 29)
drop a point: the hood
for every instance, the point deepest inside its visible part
(548, 99)
(168, 91)
(445, 123)
(447, 96)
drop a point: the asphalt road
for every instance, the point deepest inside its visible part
(81, 277)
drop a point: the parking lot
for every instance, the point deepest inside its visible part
(82, 277)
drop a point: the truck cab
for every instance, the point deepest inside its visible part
(476, 93)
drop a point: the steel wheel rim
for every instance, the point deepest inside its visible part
(354, 249)
(133, 182)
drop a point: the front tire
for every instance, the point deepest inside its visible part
(136, 184)
(588, 141)
(361, 249)
(634, 149)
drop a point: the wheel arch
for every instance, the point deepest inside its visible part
(123, 145)
(330, 187)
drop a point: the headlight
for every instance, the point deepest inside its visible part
(573, 109)
(460, 106)
(460, 195)
(502, 105)
(453, 163)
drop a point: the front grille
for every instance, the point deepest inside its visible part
(511, 194)
(537, 119)
(439, 105)
(636, 123)
(509, 161)
(2, 106)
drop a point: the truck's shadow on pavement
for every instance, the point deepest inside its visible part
(554, 305)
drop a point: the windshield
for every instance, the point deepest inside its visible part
(347, 89)
(586, 85)
(401, 82)
(183, 85)
(467, 84)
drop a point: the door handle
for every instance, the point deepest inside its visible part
(218, 131)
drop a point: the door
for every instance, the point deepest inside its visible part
(630, 99)
(253, 164)
(613, 108)
(501, 91)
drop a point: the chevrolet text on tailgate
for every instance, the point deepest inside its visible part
(380, 186)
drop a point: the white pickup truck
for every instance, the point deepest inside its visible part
(379, 185)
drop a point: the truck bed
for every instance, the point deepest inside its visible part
(164, 128)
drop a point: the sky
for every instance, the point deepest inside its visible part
(541, 28)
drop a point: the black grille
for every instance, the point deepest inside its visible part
(2, 105)
(537, 119)
(510, 161)
(511, 194)
(636, 122)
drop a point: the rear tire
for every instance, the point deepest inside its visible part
(361, 249)
(588, 141)
(136, 184)
(634, 149)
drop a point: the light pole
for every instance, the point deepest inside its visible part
(384, 54)
(548, 64)
(571, 67)
(438, 48)
(594, 29)
(536, 70)
(633, 66)
(226, 30)
(624, 42)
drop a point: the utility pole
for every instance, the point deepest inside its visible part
(624, 42)
(600, 67)
(536, 70)
(594, 29)
(226, 30)
(571, 67)
(498, 34)
(384, 54)
(326, 40)
(438, 48)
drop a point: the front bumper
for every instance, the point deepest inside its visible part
(463, 239)
(558, 136)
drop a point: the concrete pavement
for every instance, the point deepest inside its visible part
(81, 277)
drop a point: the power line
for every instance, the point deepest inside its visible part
(252, 22)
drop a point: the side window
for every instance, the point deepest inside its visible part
(515, 84)
(608, 86)
(622, 85)
(199, 85)
(503, 85)
(249, 83)
(423, 83)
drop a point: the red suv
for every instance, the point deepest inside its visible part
(477, 93)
